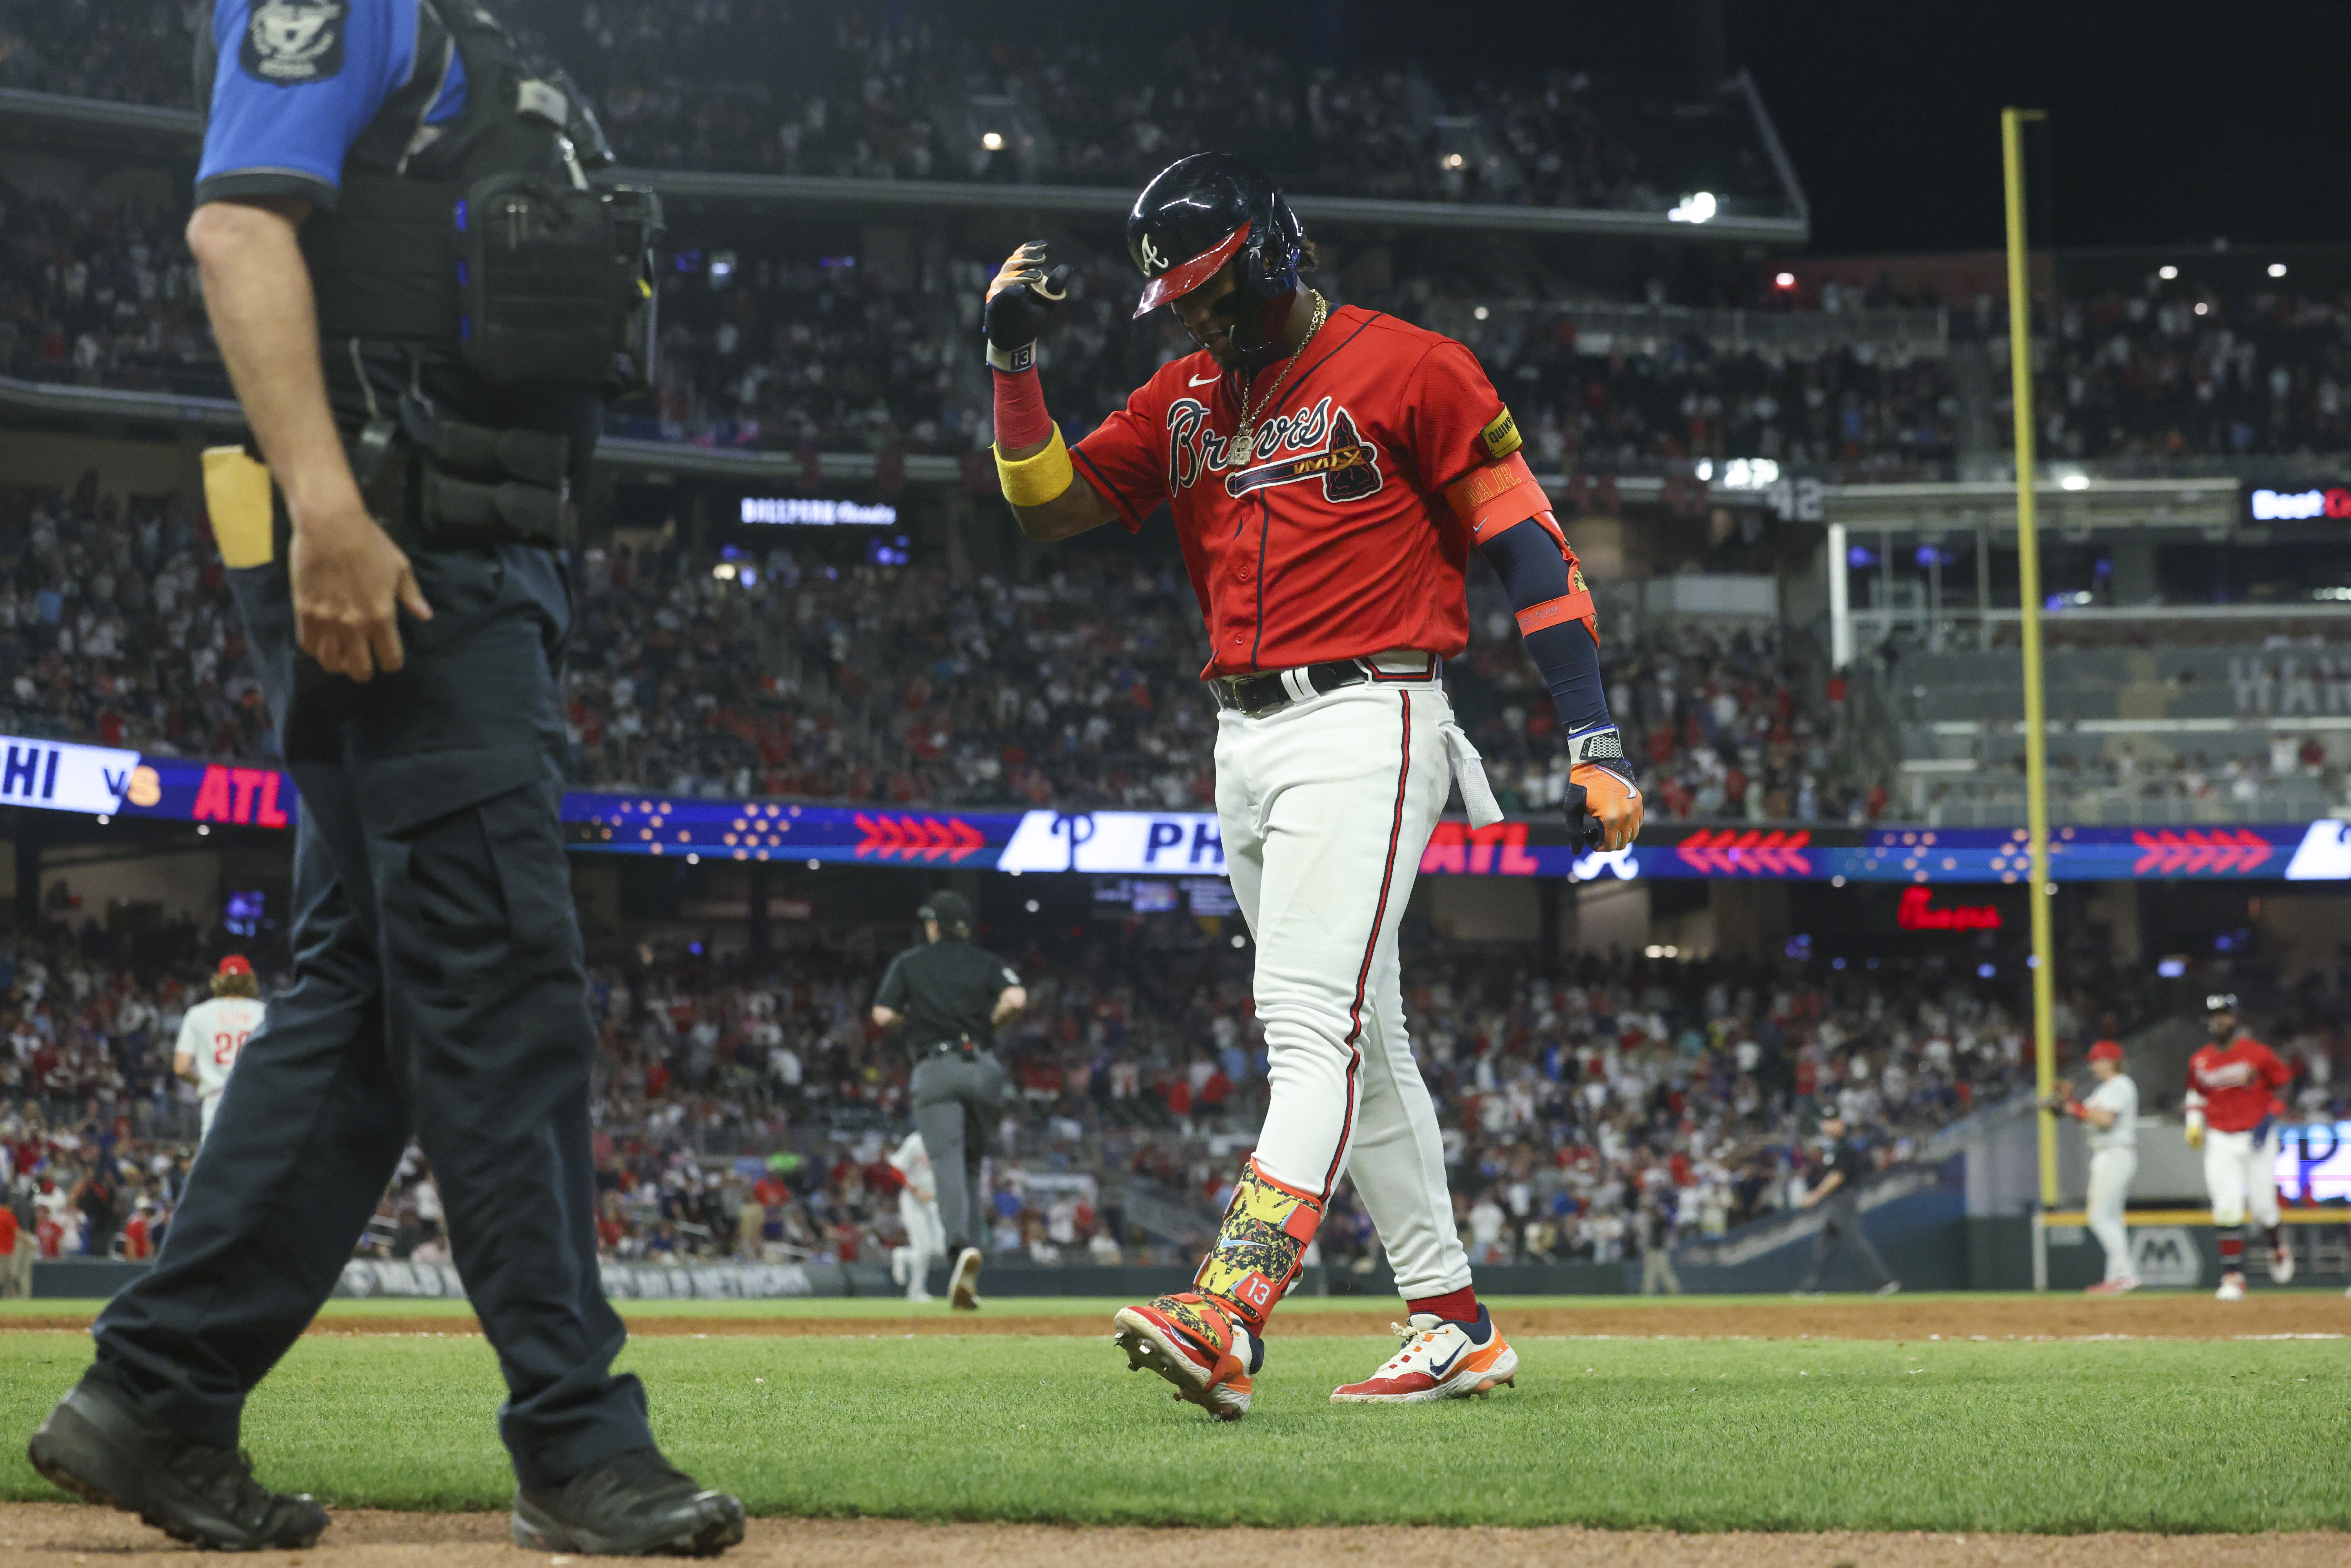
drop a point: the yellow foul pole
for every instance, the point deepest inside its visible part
(2028, 557)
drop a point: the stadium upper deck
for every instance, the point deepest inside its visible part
(832, 93)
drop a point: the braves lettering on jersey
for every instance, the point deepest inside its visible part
(2236, 1088)
(213, 1034)
(1332, 538)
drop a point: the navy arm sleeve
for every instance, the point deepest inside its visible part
(1528, 559)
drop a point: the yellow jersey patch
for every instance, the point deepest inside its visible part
(1500, 437)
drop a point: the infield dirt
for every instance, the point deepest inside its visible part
(2147, 1315)
(53, 1535)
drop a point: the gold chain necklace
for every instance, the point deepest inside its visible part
(1244, 443)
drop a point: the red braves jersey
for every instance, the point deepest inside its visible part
(1335, 539)
(2237, 1087)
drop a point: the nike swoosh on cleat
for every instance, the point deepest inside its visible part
(1438, 1372)
(1197, 382)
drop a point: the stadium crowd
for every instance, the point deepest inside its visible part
(862, 683)
(745, 1109)
(768, 87)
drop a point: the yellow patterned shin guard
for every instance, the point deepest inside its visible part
(1259, 1247)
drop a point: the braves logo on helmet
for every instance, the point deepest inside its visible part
(1152, 260)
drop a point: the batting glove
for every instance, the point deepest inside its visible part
(1603, 803)
(1020, 301)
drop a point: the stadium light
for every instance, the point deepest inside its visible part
(2074, 481)
(2277, 269)
(2201, 308)
(1452, 161)
(1480, 313)
(1784, 280)
(2167, 273)
(992, 140)
(1698, 207)
(724, 571)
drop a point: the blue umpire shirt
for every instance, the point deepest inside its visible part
(292, 84)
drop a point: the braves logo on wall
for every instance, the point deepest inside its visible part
(289, 42)
(1320, 442)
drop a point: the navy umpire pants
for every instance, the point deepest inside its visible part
(438, 991)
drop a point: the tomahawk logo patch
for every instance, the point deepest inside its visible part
(1348, 466)
(1317, 442)
(289, 42)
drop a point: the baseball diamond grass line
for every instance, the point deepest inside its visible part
(895, 1306)
(1681, 1435)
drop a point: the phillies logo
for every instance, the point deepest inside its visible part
(1318, 442)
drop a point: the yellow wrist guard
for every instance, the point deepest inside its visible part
(1034, 481)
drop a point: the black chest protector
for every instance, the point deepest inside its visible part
(480, 239)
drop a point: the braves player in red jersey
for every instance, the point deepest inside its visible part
(1329, 470)
(2234, 1088)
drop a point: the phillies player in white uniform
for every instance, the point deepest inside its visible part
(1328, 471)
(2234, 1088)
(918, 1211)
(2109, 1119)
(213, 1032)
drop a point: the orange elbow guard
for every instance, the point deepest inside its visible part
(1496, 496)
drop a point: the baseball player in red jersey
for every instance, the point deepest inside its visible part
(2234, 1084)
(1329, 470)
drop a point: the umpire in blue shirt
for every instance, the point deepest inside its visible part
(422, 301)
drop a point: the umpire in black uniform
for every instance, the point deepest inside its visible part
(421, 300)
(1844, 1168)
(953, 997)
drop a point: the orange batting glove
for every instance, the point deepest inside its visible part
(1604, 804)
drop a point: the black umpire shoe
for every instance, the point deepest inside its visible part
(632, 1505)
(103, 1449)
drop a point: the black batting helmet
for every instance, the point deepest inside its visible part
(1202, 211)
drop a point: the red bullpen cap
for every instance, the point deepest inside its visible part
(236, 964)
(2107, 1050)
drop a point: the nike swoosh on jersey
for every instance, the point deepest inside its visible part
(1197, 382)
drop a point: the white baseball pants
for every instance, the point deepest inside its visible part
(2110, 1177)
(2241, 1175)
(206, 1110)
(1325, 808)
(926, 1234)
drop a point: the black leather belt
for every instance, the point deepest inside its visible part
(1257, 695)
(953, 1048)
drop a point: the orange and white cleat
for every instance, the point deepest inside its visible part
(1440, 1360)
(1193, 1343)
(2232, 1287)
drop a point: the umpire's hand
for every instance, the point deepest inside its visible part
(351, 582)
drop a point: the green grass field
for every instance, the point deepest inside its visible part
(1676, 1434)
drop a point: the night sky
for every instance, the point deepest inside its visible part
(2171, 122)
